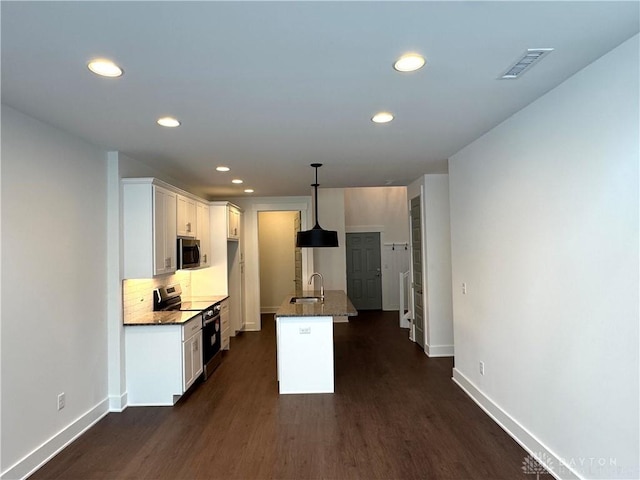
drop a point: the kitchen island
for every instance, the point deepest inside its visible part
(304, 336)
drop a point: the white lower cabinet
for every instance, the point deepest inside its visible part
(225, 323)
(162, 361)
(191, 359)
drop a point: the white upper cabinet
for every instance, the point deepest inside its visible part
(149, 228)
(203, 234)
(165, 243)
(186, 225)
(233, 222)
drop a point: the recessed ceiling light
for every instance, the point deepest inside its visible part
(409, 62)
(248, 190)
(104, 68)
(382, 117)
(222, 168)
(168, 122)
(236, 180)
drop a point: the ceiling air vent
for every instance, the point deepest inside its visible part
(531, 56)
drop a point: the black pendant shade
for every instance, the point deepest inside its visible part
(317, 236)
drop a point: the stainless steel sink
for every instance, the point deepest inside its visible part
(305, 299)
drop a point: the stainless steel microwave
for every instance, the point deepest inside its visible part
(188, 253)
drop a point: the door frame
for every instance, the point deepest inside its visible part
(273, 308)
(425, 288)
(366, 229)
(252, 255)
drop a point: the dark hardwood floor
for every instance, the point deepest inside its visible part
(396, 414)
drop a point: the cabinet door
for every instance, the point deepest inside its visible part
(225, 323)
(198, 361)
(186, 221)
(233, 219)
(191, 360)
(202, 222)
(164, 231)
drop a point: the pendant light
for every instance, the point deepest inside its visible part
(317, 236)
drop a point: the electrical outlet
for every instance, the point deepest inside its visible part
(61, 401)
(464, 288)
(481, 368)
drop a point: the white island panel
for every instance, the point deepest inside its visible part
(305, 354)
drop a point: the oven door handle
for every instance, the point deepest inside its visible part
(211, 320)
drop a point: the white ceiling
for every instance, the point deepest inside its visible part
(269, 87)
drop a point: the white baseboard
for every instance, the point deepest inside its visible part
(251, 327)
(439, 350)
(45, 452)
(520, 434)
(117, 403)
(269, 309)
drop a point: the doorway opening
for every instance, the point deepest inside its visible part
(280, 262)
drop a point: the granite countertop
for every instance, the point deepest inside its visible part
(173, 317)
(336, 304)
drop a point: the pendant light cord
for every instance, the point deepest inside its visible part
(315, 187)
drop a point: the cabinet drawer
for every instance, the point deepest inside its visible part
(224, 306)
(192, 327)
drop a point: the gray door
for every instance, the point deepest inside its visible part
(416, 251)
(364, 281)
(298, 257)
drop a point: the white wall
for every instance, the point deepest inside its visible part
(332, 262)
(132, 168)
(436, 264)
(277, 261)
(544, 220)
(252, 206)
(378, 206)
(54, 326)
(384, 210)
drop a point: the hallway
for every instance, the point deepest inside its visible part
(396, 414)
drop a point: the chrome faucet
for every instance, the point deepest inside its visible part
(321, 283)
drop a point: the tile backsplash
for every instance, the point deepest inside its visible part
(137, 295)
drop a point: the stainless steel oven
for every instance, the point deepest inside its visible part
(211, 339)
